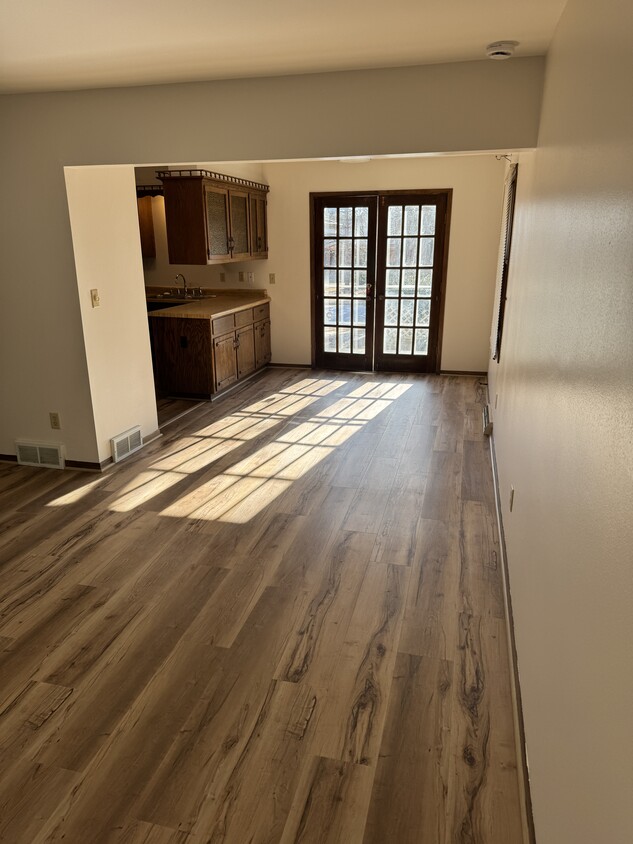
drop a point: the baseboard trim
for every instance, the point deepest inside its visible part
(84, 465)
(473, 373)
(88, 466)
(529, 835)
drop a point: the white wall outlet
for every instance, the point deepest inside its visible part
(55, 421)
(222, 277)
(240, 276)
(251, 279)
(271, 278)
(511, 498)
(94, 298)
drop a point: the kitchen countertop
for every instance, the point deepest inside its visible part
(220, 305)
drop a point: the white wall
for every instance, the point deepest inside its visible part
(104, 224)
(467, 106)
(564, 433)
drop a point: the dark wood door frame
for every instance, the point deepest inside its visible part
(314, 313)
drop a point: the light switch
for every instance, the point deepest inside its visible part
(94, 298)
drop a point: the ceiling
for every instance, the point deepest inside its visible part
(73, 44)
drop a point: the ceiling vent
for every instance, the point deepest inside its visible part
(40, 454)
(501, 49)
(126, 443)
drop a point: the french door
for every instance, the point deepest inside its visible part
(378, 272)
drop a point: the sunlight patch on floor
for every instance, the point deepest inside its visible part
(240, 491)
(75, 494)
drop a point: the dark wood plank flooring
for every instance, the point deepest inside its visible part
(280, 622)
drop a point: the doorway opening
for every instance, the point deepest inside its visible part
(378, 279)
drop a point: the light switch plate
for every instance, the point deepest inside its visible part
(94, 298)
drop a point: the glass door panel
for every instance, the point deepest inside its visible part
(410, 255)
(344, 272)
(378, 268)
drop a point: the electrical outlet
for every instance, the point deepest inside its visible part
(511, 498)
(240, 276)
(55, 423)
(222, 276)
(94, 298)
(251, 279)
(271, 278)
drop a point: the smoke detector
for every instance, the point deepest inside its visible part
(501, 49)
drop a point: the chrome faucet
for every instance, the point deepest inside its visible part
(184, 282)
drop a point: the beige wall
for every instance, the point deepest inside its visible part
(468, 106)
(564, 433)
(103, 218)
(477, 183)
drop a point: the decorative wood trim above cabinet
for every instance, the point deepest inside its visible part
(216, 177)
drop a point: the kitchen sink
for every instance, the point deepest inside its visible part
(175, 298)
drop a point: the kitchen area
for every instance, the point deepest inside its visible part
(207, 336)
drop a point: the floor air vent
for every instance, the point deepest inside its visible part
(40, 454)
(126, 443)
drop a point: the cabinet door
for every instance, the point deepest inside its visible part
(218, 227)
(239, 235)
(262, 343)
(181, 355)
(245, 351)
(224, 361)
(259, 235)
(185, 219)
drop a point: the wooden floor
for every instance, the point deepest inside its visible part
(168, 410)
(281, 622)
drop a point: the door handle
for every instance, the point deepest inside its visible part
(368, 290)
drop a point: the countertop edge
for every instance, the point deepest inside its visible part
(214, 306)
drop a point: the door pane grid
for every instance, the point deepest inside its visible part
(394, 242)
(345, 249)
(408, 279)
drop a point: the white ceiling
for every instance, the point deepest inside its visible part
(70, 44)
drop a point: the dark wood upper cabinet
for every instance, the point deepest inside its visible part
(259, 232)
(211, 218)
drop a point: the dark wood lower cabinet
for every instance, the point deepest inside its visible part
(245, 351)
(199, 357)
(182, 356)
(261, 332)
(224, 361)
